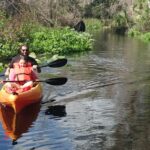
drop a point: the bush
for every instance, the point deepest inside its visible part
(60, 41)
(133, 32)
(145, 37)
(93, 24)
(45, 40)
(120, 20)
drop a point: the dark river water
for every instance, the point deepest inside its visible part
(105, 105)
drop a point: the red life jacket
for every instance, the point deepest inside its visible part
(23, 74)
(16, 65)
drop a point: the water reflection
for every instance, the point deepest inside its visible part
(14, 124)
(133, 128)
(57, 110)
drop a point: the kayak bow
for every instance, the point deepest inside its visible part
(21, 100)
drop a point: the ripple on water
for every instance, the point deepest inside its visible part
(46, 134)
(91, 121)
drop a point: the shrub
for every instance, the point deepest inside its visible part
(60, 41)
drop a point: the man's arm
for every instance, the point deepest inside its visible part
(34, 62)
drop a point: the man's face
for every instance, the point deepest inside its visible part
(24, 51)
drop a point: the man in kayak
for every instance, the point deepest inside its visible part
(23, 53)
(24, 74)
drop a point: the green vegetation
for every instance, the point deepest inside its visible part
(120, 20)
(93, 24)
(141, 26)
(62, 41)
(42, 40)
(132, 17)
(145, 37)
(136, 33)
(1, 67)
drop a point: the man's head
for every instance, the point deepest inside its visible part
(24, 50)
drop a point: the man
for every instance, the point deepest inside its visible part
(24, 53)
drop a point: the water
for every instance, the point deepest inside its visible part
(105, 105)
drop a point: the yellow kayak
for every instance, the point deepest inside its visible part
(21, 100)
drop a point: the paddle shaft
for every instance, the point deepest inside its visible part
(52, 81)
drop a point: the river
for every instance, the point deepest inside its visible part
(105, 105)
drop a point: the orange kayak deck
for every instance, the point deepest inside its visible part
(21, 100)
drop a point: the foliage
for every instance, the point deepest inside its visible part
(93, 24)
(145, 37)
(88, 12)
(141, 27)
(21, 29)
(3, 20)
(11, 38)
(1, 67)
(99, 9)
(142, 17)
(133, 32)
(41, 39)
(52, 41)
(60, 41)
(120, 20)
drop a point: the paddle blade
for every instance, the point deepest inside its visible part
(56, 81)
(56, 63)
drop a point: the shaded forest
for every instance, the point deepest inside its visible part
(114, 13)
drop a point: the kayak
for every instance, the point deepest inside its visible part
(14, 125)
(21, 100)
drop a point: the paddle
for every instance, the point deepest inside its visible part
(56, 63)
(52, 81)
